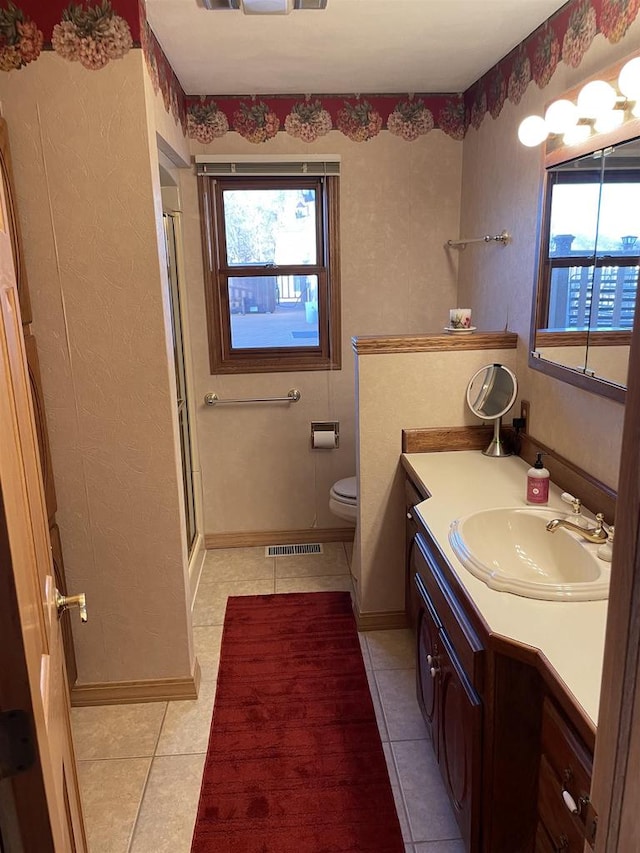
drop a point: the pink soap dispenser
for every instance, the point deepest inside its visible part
(538, 482)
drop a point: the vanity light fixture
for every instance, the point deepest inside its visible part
(629, 79)
(595, 99)
(599, 109)
(263, 7)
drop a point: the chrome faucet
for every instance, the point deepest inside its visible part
(591, 534)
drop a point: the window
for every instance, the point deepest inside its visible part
(590, 271)
(271, 251)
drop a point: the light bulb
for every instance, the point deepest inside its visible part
(561, 115)
(577, 134)
(532, 131)
(595, 98)
(629, 79)
(609, 121)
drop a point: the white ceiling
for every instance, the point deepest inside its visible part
(353, 46)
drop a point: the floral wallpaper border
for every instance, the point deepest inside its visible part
(565, 36)
(308, 117)
(91, 32)
(163, 77)
(96, 32)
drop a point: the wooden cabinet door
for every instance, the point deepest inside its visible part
(460, 719)
(427, 659)
(411, 600)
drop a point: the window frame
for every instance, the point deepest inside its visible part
(223, 358)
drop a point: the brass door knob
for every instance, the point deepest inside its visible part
(65, 602)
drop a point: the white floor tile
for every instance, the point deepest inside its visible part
(168, 811)
(111, 792)
(236, 564)
(211, 600)
(117, 731)
(207, 640)
(377, 706)
(397, 689)
(392, 649)
(333, 561)
(314, 584)
(430, 814)
(187, 724)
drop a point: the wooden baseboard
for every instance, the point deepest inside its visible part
(382, 621)
(127, 692)
(278, 537)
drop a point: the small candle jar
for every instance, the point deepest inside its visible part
(460, 318)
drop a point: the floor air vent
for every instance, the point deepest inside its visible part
(292, 550)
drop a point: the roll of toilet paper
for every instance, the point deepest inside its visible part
(324, 440)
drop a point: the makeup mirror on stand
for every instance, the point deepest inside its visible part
(491, 392)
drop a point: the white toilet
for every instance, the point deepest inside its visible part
(343, 499)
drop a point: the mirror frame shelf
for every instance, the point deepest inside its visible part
(555, 154)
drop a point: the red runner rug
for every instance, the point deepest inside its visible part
(294, 763)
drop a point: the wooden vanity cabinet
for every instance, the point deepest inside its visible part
(501, 726)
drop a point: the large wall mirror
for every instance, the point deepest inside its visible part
(589, 261)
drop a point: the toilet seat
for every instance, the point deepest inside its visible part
(346, 491)
(343, 499)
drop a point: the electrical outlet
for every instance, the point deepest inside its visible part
(524, 414)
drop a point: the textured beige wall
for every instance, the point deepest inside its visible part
(501, 189)
(396, 392)
(399, 204)
(82, 154)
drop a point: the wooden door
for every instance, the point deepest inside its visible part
(13, 228)
(460, 735)
(427, 659)
(32, 676)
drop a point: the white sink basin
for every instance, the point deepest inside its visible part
(510, 550)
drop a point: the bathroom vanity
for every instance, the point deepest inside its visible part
(508, 685)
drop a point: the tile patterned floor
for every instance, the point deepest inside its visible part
(141, 765)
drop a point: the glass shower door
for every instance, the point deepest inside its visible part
(181, 381)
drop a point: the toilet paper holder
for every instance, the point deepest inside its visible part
(325, 435)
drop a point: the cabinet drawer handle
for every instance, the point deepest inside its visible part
(563, 844)
(432, 661)
(569, 802)
(409, 516)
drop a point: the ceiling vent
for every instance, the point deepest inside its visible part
(264, 7)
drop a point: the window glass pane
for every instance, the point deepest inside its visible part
(274, 311)
(614, 299)
(570, 298)
(574, 219)
(276, 226)
(619, 225)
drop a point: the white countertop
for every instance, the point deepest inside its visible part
(570, 635)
